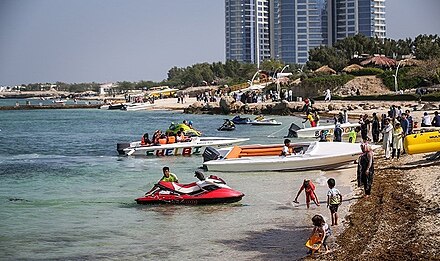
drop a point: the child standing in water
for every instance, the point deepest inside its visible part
(334, 199)
(309, 189)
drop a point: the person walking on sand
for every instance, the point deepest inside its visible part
(365, 169)
(309, 189)
(334, 199)
(387, 140)
(328, 95)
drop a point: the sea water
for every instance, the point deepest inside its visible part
(66, 194)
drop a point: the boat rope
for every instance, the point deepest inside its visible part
(272, 135)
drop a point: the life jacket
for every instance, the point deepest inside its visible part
(171, 139)
(163, 141)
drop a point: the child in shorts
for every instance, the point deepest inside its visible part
(334, 199)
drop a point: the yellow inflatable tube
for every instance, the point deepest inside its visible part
(422, 142)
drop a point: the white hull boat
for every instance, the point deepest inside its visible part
(137, 106)
(314, 132)
(265, 122)
(194, 147)
(309, 155)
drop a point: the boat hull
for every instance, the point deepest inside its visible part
(315, 132)
(318, 159)
(178, 149)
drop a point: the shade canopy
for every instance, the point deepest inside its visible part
(379, 61)
(352, 67)
(325, 69)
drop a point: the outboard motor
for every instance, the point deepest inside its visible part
(199, 175)
(210, 154)
(121, 146)
(292, 131)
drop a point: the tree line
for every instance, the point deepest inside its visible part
(423, 47)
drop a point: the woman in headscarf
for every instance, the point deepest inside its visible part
(365, 169)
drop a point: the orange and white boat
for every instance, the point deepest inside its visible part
(305, 155)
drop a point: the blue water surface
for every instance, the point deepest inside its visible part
(66, 194)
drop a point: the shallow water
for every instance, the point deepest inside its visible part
(66, 194)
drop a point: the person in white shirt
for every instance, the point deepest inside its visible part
(286, 149)
(328, 95)
(426, 120)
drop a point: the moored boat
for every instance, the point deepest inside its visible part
(265, 122)
(194, 147)
(136, 106)
(297, 132)
(305, 155)
(239, 120)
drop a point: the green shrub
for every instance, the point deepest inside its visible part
(367, 71)
(404, 81)
(324, 82)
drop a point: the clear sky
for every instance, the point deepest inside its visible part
(117, 40)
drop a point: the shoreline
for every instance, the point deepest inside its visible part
(403, 209)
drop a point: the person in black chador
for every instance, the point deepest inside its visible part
(375, 128)
(365, 169)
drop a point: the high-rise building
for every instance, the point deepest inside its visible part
(287, 29)
(247, 30)
(350, 17)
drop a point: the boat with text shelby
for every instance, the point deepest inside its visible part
(297, 132)
(304, 155)
(195, 146)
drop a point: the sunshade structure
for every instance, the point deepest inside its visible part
(382, 61)
(325, 69)
(352, 67)
(409, 62)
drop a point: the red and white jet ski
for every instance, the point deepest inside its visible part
(211, 190)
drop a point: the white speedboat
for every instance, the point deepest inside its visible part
(297, 132)
(113, 106)
(265, 122)
(136, 106)
(193, 147)
(307, 155)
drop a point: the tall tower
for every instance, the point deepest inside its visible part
(350, 17)
(247, 30)
(303, 26)
(286, 30)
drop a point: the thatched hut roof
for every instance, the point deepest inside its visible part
(381, 60)
(352, 67)
(325, 69)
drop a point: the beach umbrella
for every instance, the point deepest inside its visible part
(352, 67)
(381, 60)
(325, 69)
